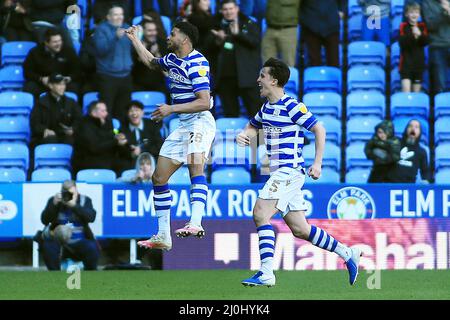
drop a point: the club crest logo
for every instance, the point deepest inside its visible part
(8, 209)
(303, 108)
(351, 203)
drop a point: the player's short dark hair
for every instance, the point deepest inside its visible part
(189, 30)
(278, 70)
(51, 32)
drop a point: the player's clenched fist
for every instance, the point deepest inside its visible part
(315, 171)
(242, 139)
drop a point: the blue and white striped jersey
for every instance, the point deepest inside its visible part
(187, 76)
(282, 123)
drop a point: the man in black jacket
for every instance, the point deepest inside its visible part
(67, 216)
(143, 135)
(236, 42)
(96, 145)
(412, 156)
(55, 115)
(52, 56)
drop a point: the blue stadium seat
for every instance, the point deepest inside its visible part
(442, 104)
(412, 104)
(83, 4)
(322, 79)
(354, 8)
(397, 7)
(366, 103)
(116, 123)
(324, 103)
(355, 27)
(361, 128)
(181, 176)
(395, 27)
(400, 123)
(14, 155)
(16, 103)
(396, 82)
(333, 127)
(50, 175)
(15, 52)
(12, 175)
(56, 155)
(150, 100)
(228, 153)
(87, 99)
(128, 174)
(443, 176)
(365, 78)
(357, 175)
(227, 176)
(14, 128)
(366, 52)
(227, 128)
(11, 78)
(356, 158)
(442, 156)
(167, 24)
(395, 55)
(96, 176)
(328, 175)
(331, 156)
(293, 85)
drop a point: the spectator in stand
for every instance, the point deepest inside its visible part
(46, 14)
(436, 14)
(55, 115)
(320, 27)
(384, 150)
(280, 38)
(185, 9)
(145, 166)
(101, 8)
(15, 22)
(413, 157)
(202, 18)
(145, 78)
(143, 135)
(52, 56)
(236, 43)
(375, 21)
(413, 39)
(152, 15)
(96, 145)
(114, 62)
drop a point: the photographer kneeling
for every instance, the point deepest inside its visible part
(67, 217)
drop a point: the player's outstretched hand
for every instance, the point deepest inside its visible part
(315, 171)
(132, 33)
(162, 111)
(242, 139)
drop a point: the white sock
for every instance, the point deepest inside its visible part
(343, 251)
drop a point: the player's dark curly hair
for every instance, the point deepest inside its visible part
(189, 30)
(278, 70)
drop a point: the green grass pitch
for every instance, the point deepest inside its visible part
(223, 284)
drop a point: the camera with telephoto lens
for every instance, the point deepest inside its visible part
(66, 195)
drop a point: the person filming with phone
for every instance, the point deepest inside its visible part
(67, 233)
